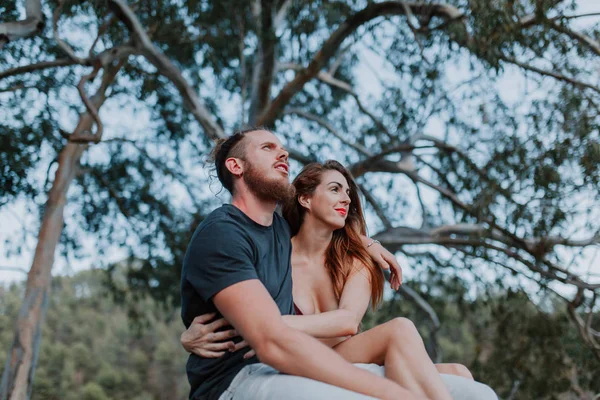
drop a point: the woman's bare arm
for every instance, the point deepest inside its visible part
(385, 259)
(332, 327)
(346, 319)
(329, 324)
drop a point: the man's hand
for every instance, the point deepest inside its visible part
(243, 344)
(202, 339)
(387, 261)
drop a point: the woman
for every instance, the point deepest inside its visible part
(335, 280)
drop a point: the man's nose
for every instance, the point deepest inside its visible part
(283, 155)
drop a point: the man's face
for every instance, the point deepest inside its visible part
(266, 167)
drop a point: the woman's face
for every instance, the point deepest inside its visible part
(330, 203)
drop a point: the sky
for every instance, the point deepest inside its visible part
(19, 224)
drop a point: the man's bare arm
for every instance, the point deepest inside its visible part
(254, 314)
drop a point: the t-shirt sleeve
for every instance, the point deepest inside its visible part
(219, 256)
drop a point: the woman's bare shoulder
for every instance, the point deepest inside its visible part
(358, 267)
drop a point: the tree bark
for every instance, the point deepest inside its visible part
(166, 67)
(31, 25)
(347, 28)
(19, 370)
(264, 66)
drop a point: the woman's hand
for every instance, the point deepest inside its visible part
(387, 261)
(202, 339)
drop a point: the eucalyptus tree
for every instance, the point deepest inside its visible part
(471, 126)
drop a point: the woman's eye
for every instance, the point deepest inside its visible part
(334, 189)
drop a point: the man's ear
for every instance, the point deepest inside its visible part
(235, 166)
(304, 201)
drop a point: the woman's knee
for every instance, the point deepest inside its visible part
(402, 330)
(401, 324)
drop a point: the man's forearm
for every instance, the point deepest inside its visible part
(254, 314)
(295, 353)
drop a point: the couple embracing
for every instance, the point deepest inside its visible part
(297, 341)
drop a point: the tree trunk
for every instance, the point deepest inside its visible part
(19, 370)
(20, 364)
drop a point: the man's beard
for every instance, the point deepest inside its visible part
(267, 189)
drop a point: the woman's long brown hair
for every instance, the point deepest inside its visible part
(346, 248)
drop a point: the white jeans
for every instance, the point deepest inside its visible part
(261, 382)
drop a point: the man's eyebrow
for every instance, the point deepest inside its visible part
(272, 144)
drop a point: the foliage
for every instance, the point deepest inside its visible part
(505, 340)
(92, 350)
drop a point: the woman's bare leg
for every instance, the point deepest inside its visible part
(454, 369)
(397, 346)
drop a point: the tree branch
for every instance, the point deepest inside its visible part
(421, 303)
(102, 58)
(33, 24)
(400, 236)
(101, 30)
(301, 158)
(166, 67)
(62, 62)
(92, 110)
(376, 206)
(243, 72)
(567, 17)
(325, 124)
(81, 133)
(338, 62)
(18, 86)
(554, 75)
(534, 19)
(264, 66)
(587, 41)
(61, 43)
(281, 14)
(175, 174)
(14, 269)
(589, 335)
(424, 213)
(345, 29)
(375, 161)
(406, 235)
(327, 77)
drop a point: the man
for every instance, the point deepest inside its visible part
(238, 265)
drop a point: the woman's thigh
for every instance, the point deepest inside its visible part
(264, 382)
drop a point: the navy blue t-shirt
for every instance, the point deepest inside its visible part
(228, 247)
